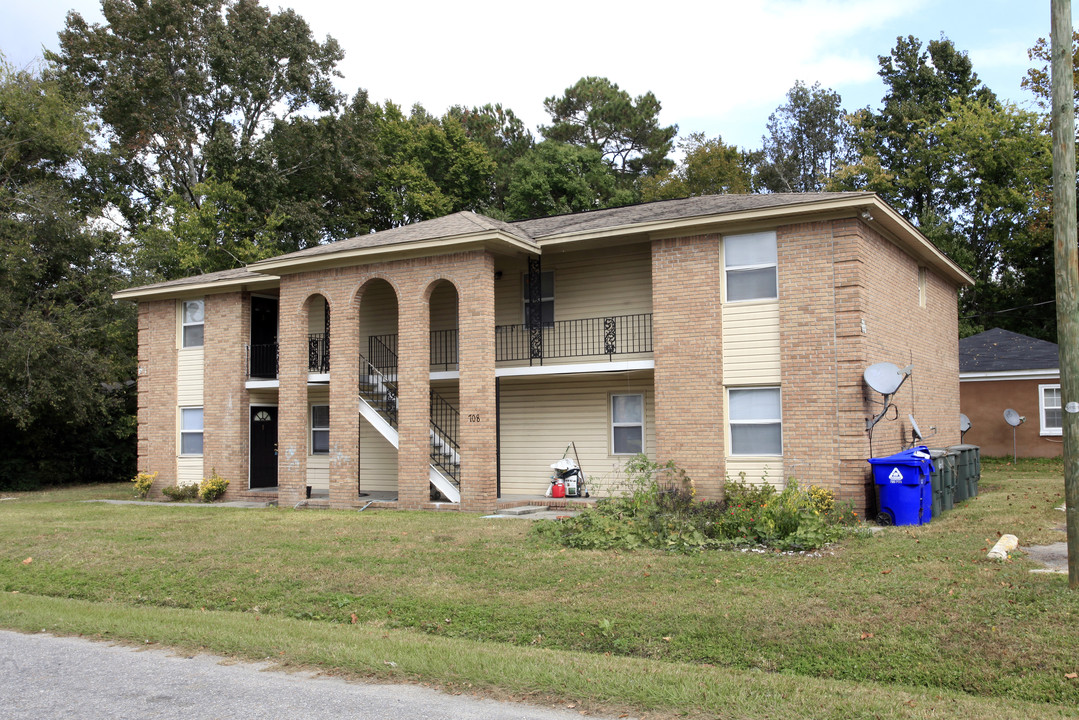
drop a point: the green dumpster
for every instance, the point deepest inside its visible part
(968, 471)
(943, 479)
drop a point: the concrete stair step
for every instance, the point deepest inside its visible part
(526, 510)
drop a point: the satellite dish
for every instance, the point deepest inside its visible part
(1013, 418)
(885, 377)
(914, 429)
(964, 423)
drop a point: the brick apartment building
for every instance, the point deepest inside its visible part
(457, 358)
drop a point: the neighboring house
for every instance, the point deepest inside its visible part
(726, 333)
(998, 370)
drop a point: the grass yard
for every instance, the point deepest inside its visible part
(910, 623)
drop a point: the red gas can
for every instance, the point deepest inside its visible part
(559, 489)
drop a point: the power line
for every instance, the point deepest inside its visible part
(1007, 310)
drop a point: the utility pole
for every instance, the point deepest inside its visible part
(1066, 254)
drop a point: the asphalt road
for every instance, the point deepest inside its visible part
(42, 676)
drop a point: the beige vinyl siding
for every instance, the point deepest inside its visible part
(189, 373)
(318, 466)
(444, 307)
(316, 316)
(188, 470)
(751, 343)
(378, 312)
(589, 283)
(378, 461)
(757, 471)
(540, 416)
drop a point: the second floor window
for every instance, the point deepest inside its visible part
(750, 262)
(192, 322)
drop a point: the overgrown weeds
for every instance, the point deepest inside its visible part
(657, 509)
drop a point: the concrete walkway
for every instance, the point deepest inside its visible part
(43, 676)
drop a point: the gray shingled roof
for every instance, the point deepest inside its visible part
(670, 210)
(999, 350)
(242, 274)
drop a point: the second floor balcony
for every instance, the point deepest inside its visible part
(562, 340)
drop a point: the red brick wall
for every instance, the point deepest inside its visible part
(225, 400)
(984, 403)
(833, 276)
(687, 346)
(157, 390)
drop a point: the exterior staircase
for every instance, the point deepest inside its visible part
(378, 405)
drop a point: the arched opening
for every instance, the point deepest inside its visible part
(318, 397)
(378, 442)
(445, 393)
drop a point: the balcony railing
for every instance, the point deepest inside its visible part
(588, 337)
(262, 361)
(318, 353)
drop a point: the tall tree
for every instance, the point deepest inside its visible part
(596, 113)
(66, 348)
(808, 139)
(187, 90)
(556, 178)
(708, 167)
(896, 144)
(1038, 80)
(506, 139)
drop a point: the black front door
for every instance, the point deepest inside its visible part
(263, 447)
(263, 337)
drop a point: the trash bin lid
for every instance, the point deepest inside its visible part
(915, 456)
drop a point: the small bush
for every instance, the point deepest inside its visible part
(181, 492)
(143, 482)
(658, 510)
(213, 487)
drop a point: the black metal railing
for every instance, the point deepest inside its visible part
(445, 423)
(318, 353)
(262, 361)
(444, 348)
(610, 336)
(382, 352)
(378, 390)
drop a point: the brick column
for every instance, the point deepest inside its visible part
(157, 390)
(476, 348)
(413, 396)
(687, 346)
(225, 398)
(292, 392)
(344, 398)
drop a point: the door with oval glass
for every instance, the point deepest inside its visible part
(263, 446)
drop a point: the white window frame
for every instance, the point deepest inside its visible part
(187, 432)
(1046, 429)
(732, 422)
(320, 429)
(184, 325)
(544, 299)
(768, 235)
(614, 424)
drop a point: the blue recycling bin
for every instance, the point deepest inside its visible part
(904, 491)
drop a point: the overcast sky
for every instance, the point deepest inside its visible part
(719, 66)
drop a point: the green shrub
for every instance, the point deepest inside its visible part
(657, 510)
(143, 482)
(213, 487)
(181, 492)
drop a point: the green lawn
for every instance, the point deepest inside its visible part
(910, 623)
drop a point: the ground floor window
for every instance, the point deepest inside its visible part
(191, 431)
(320, 429)
(1049, 403)
(755, 420)
(627, 424)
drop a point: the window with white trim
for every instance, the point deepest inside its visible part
(191, 431)
(546, 297)
(320, 429)
(749, 262)
(755, 419)
(191, 320)
(627, 424)
(1049, 406)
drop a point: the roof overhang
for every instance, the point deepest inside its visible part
(167, 291)
(1003, 375)
(869, 207)
(491, 240)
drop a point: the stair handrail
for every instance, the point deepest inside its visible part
(385, 402)
(445, 422)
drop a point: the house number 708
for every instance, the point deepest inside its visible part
(473, 417)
